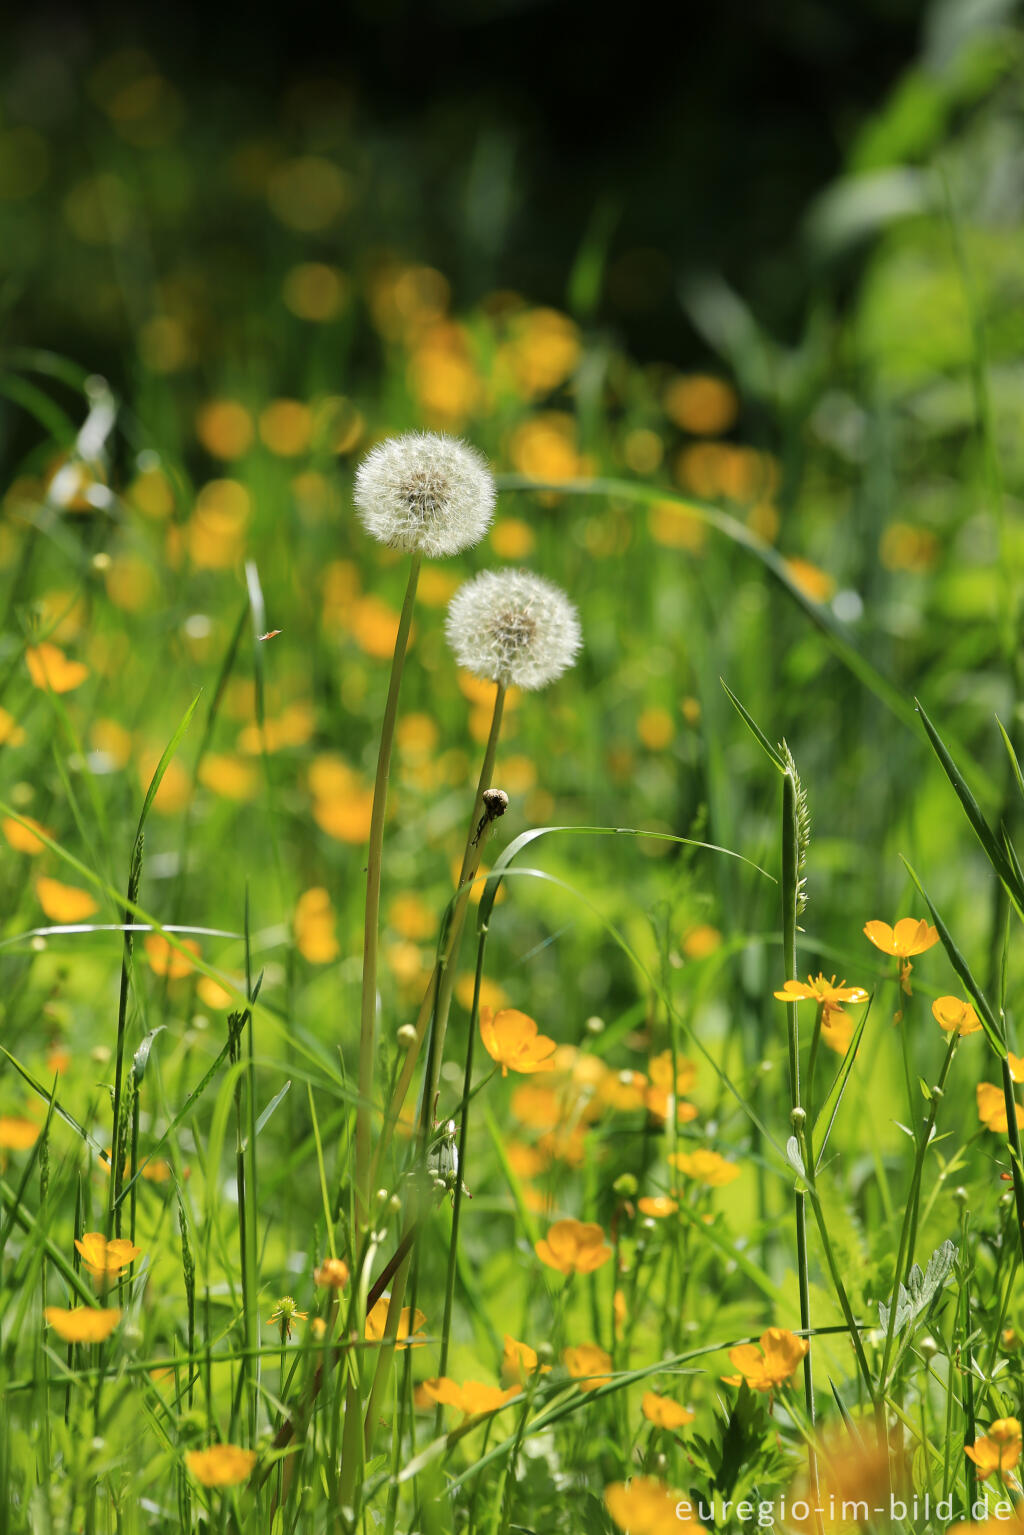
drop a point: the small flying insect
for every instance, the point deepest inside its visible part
(271, 634)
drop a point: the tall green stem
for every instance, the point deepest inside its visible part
(438, 995)
(368, 1004)
(790, 895)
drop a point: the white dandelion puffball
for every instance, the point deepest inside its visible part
(513, 627)
(426, 492)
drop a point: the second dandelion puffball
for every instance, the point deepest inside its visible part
(513, 627)
(425, 492)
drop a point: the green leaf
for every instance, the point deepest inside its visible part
(920, 1289)
(755, 729)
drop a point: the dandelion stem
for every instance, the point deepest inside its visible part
(368, 1005)
(439, 988)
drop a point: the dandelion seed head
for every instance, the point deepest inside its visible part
(513, 627)
(427, 492)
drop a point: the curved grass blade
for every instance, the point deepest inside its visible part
(754, 728)
(738, 533)
(984, 833)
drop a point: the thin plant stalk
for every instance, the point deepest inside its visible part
(371, 925)
(790, 897)
(438, 995)
(908, 1231)
(460, 1167)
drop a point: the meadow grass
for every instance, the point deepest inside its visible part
(644, 1154)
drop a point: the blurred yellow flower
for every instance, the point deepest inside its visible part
(814, 582)
(64, 903)
(656, 729)
(706, 1167)
(992, 1108)
(286, 427)
(83, 1324)
(701, 404)
(702, 940)
(511, 1038)
(346, 818)
(103, 1258)
(645, 1506)
(573, 1247)
(16, 1133)
(374, 627)
(11, 733)
(314, 291)
(472, 1397)
(407, 1336)
(222, 1465)
(998, 1450)
(165, 959)
(49, 667)
(770, 1362)
(410, 916)
(663, 1412)
(314, 924)
(332, 1274)
(519, 1361)
(657, 1206)
(225, 429)
(230, 777)
(675, 527)
(586, 1363)
(512, 539)
(22, 838)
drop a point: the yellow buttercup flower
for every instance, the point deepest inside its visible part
(511, 1038)
(377, 1321)
(520, 1361)
(83, 1324)
(827, 994)
(222, 1465)
(998, 1450)
(950, 1013)
(103, 1258)
(910, 935)
(992, 1108)
(706, 1167)
(663, 1412)
(645, 1506)
(573, 1247)
(587, 1364)
(768, 1363)
(472, 1397)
